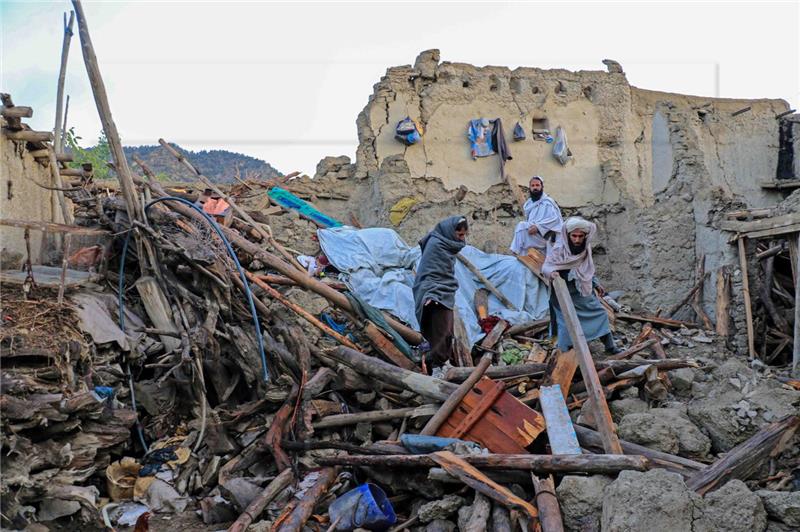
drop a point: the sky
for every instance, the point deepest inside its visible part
(284, 82)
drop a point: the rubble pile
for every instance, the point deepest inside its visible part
(334, 409)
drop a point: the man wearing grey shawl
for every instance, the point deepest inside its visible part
(435, 284)
(542, 219)
(571, 258)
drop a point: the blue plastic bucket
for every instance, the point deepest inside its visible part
(363, 507)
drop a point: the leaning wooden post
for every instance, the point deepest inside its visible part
(595, 390)
(486, 282)
(455, 398)
(62, 73)
(104, 110)
(748, 312)
(796, 349)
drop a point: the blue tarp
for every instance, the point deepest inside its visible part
(378, 266)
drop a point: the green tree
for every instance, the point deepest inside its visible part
(98, 156)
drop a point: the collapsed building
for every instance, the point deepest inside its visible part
(268, 424)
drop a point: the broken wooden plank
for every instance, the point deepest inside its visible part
(751, 226)
(593, 386)
(564, 371)
(462, 347)
(746, 458)
(560, 432)
(476, 480)
(751, 346)
(539, 463)
(455, 398)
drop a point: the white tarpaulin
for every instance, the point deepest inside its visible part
(378, 267)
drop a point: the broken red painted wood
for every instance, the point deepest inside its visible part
(493, 418)
(747, 457)
(539, 463)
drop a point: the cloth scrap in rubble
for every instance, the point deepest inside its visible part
(286, 199)
(379, 267)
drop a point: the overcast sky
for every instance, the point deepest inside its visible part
(284, 82)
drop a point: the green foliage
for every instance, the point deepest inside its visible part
(98, 156)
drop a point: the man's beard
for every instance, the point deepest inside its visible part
(536, 195)
(577, 249)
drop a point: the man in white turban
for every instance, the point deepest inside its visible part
(542, 220)
(571, 258)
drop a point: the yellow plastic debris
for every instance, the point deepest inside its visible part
(400, 210)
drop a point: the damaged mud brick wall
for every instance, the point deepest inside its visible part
(654, 169)
(22, 199)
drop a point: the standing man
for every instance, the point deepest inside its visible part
(543, 220)
(435, 285)
(571, 258)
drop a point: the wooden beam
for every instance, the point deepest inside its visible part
(758, 225)
(540, 463)
(59, 183)
(27, 135)
(751, 346)
(17, 111)
(53, 227)
(256, 507)
(62, 74)
(134, 208)
(455, 398)
(780, 184)
(746, 458)
(590, 378)
(497, 372)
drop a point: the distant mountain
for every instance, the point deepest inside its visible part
(218, 165)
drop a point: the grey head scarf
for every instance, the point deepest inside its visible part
(435, 278)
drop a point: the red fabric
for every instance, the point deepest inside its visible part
(488, 323)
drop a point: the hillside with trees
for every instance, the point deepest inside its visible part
(221, 166)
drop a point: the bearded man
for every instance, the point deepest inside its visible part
(542, 220)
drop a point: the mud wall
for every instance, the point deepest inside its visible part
(22, 199)
(653, 169)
